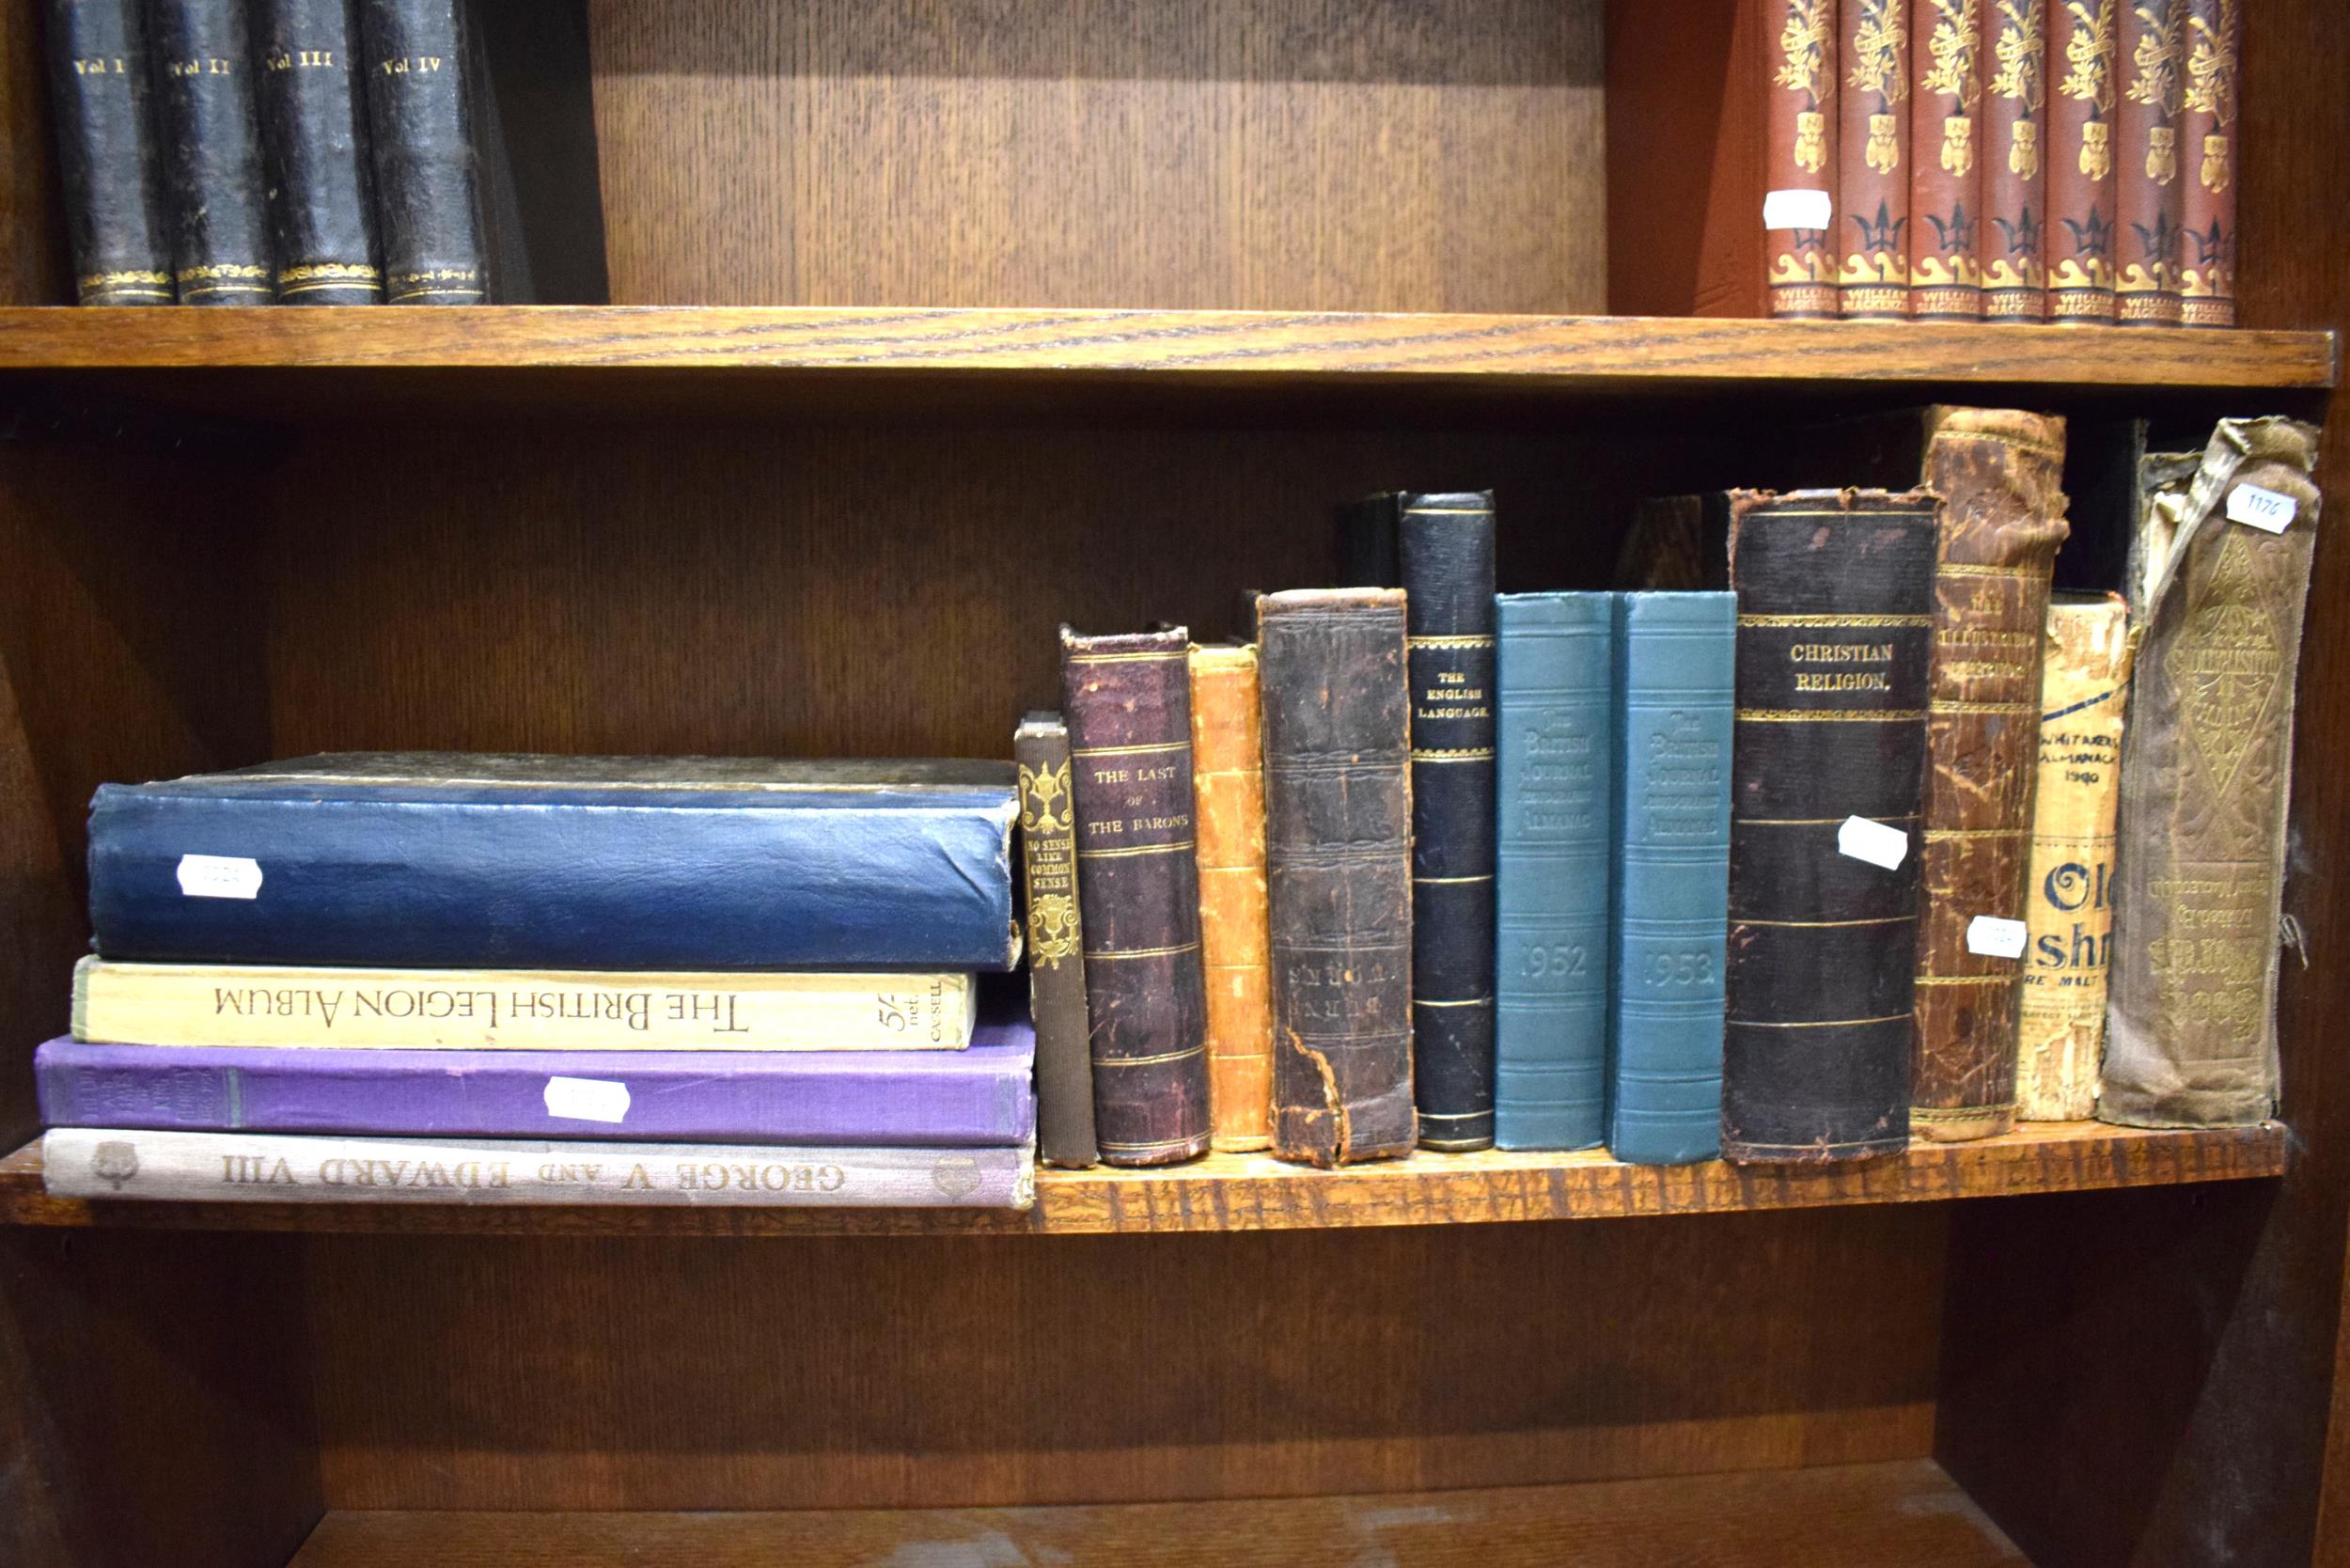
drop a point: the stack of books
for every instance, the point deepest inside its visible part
(528, 979)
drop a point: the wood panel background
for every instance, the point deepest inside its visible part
(554, 1373)
(1277, 154)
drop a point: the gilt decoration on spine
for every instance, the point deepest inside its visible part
(2079, 235)
(2149, 196)
(1946, 176)
(1799, 210)
(2015, 178)
(2207, 261)
(1873, 217)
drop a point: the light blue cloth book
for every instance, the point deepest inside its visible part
(1551, 929)
(1674, 689)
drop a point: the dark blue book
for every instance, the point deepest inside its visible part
(1676, 659)
(516, 862)
(1558, 778)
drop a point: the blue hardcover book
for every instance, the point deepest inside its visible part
(513, 862)
(1556, 782)
(1675, 668)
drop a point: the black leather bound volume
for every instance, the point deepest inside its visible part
(1337, 871)
(1128, 704)
(314, 141)
(97, 86)
(1835, 623)
(420, 132)
(1439, 549)
(208, 137)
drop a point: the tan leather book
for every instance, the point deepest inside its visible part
(1997, 472)
(2068, 893)
(2190, 1027)
(1228, 781)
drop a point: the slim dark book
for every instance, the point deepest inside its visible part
(1128, 704)
(420, 128)
(1338, 706)
(1442, 559)
(208, 131)
(1057, 972)
(314, 146)
(1835, 620)
(113, 209)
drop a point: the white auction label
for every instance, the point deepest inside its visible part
(2260, 509)
(219, 876)
(587, 1100)
(1994, 936)
(1874, 842)
(1796, 210)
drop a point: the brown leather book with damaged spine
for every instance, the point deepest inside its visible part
(2191, 1029)
(1337, 737)
(1228, 784)
(1128, 704)
(1997, 472)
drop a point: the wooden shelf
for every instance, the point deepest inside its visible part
(1251, 1192)
(1907, 1512)
(601, 353)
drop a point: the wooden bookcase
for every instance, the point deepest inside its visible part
(906, 331)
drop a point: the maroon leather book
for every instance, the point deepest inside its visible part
(2015, 168)
(1338, 739)
(2214, 45)
(2079, 249)
(1873, 161)
(1945, 172)
(2149, 196)
(1127, 700)
(1799, 160)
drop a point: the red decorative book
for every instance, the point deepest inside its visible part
(1798, 210)
(2215, 44)
(2015, 168)
(1945, 172)
(1873, 161)
(2078, 248)
(2149, 196)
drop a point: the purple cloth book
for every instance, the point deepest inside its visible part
(977, 1098)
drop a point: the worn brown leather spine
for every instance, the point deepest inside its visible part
(1056, 963)
(1873, 159)
(1997, 472)
(1128, 703)
(1228, 784)
(1945, 169)
(2191, 1029)
(2069, 891)
(2207, 261)
(1835, 599)
(2079, 249)
(2014, 161)
(1337, 704)
(1799, 157)
(2149, 196)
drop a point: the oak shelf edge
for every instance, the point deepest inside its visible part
(1252, 1192)
(1255, 347)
